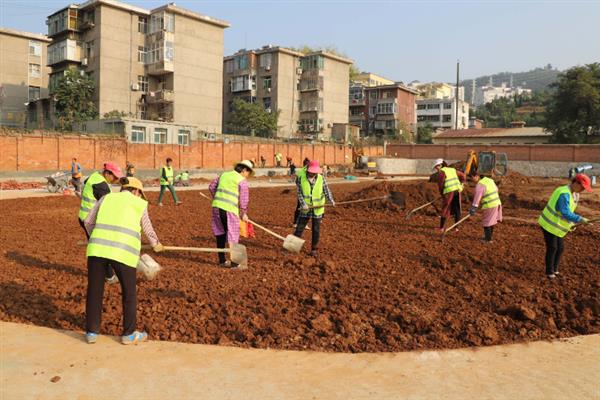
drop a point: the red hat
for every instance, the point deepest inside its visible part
(313, 167)
(114, 169)
(584, 181)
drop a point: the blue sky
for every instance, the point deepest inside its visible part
(402, 40)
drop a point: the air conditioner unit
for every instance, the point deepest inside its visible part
(298, 71)
(268, 68)
(269, 90)
(84, 61)
(135, 86)
(268, 110)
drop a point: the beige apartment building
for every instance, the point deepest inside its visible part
(370, 79)
(162, 65)
(309, 90)
(23, 74)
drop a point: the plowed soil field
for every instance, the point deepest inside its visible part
(381, 283)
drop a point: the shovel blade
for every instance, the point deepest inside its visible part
(148, 267)
(293, 243)
(239, 254)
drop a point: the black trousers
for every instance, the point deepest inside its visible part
(95, 293)
(316, 229)
(297, 211)
(108, 271)
(488, 232)
(222, 239)
(554, 248)
(454, 210)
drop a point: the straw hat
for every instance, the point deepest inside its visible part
(135, 183)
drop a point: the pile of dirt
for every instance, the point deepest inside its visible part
(381, 283)
(14, 185)
(514, 178)
(414, 195)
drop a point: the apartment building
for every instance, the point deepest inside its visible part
(486, 94)
(441, 113)
(162, 65)
(268, 76)
(437, 90)
(371, 79)
(305, 88)
(23, 75)
(390, 109)
(357, 101)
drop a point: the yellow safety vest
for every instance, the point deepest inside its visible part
(227, 196)
(315, 196)
(87, 196)
(169, 174)
(116, 235)
(451, 183)
(551, 219)
(301, 172)
(490, 198)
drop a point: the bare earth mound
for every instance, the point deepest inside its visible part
(381, 284)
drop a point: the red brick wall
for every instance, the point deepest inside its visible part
(46, 153)
(535, 152)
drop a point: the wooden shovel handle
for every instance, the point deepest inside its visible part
(425, 205)
(267, 230)
(458, 223)
(341, 203)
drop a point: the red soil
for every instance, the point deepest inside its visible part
(382, 283)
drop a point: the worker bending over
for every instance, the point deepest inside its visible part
(230, 203)
(312, 193)
(166, 182)
(96, 186)
(450, 186)
(488, 197)
(558, 217)
(183, 179)
(115, 223)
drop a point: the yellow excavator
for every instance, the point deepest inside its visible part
(485, 162)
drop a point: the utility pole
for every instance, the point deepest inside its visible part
(456, 94)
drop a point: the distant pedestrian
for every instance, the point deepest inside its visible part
(292, 169)
(558, 217)
(166, 182)
(278, 158)
(76, 176)
(288, 161)
(129, 169)
(263, 161)
(230, 204)
(488, 197)
(182, 179)
(450, 187)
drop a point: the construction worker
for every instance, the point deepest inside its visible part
(312, 193)
(96, 186)
(76, 176)
(450, 186)
(115, 223)
(129, 169)
(558, 217)
(300, 172)
(278, 158)
(486, 195)
(166, 181)
(263, 161)
(230, 204)
(182, 179)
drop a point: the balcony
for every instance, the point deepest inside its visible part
(160, 68)
(358, 102)
(64, 51)
(160, 96)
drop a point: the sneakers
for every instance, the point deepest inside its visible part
(314, 253)
(91, 337)
(179, 203)
(226, 264)
(112, 279)
(556, 273)
(134, 338)
(551, 276)
(160, 204)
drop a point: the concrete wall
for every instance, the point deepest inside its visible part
(43, 153)
(336, 85)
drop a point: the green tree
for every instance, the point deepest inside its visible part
(114, 114)
(252, 119)
(573, 112)
(305, 49)
(424, 134)
(73, 94)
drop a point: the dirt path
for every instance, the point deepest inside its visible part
(33, 356)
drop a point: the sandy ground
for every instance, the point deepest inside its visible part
(32, 357)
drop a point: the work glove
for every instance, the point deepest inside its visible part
(245, 217)
(158, 248)
(333, 203)
(584, 221)
(305, 207)
(472, 210)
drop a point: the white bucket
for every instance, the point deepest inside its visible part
(148, 267)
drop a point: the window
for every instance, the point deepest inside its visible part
(447, 106)
(373, 110)
(267, 82)
(435, 106)
(267, 103)
(61, 51)
(89, 50)
(447, 118)
(160, 135)
(35, 48)
(143, 83)
(373, 95)
(138, 134)
(34, 93)
(183, 137)
(242, 83)
(390, 124)
(143, 25)
(421, 106)
(230, 106)
(35, 70)
(162, 21)
(386, 108)
(169, 51)
(142, 54)
(229, 66)
(429, 118)
(240, 62)
(265, 60)
(312, 62)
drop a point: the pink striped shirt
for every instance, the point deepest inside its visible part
(489, 216)
(233, 222)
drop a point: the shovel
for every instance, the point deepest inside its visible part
(290, 242)
(237, 252)
(411, 212)
(455, 225)
(396, 198)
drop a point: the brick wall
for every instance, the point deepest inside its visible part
(43, 153)
(535, 152)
